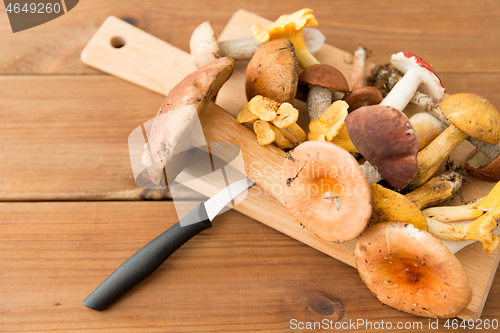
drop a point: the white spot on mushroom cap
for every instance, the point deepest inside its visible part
(431, 85)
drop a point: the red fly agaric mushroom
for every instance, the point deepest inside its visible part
(385, 137)
(470, 115)
(412, 271)
(322, 80)
(205, 47)
(418, 74)
(360, 95)
(325, 190)
(273, 72)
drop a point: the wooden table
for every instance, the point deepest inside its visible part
(71, 212)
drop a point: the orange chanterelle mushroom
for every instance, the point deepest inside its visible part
(325, 190)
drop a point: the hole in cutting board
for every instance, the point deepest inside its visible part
(118, 42)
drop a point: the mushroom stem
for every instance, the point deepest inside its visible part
(431, 157)
(437, 189)
(304, 57)
(358, 68)
(479, 230)
(385, 79)
(403, 91)
(244, 48)
(318, 100)
(470, 211)
(240, 49)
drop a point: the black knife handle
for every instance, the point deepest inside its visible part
(145, 261)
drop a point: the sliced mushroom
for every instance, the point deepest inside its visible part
(325, 190)
(412, 271)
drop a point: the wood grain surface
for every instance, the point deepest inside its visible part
(63, 136)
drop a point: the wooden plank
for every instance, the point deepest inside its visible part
(455, 36)
(238, 276)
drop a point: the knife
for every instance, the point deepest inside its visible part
(145, 261)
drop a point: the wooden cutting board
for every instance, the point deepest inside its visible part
(149, 62)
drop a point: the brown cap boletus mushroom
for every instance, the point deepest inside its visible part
(322, 80)
(470, 115)
(480, 166)
(385, 137)
(412, 271)
(167, 142)
(273, 72)
(360, 95)
(325, 190)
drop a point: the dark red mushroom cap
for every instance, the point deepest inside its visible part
(385, 137)
(482, 167)
(325, 76)
(363, 96)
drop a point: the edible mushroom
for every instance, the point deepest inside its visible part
(412, 271)
(427, 128)
(322, 80)
(167, 142)
(325, 190)
(361, 95)
(481, 166)
(205, 47)
(273, 72)
(385, 137)
(290, 27)
(470, 115)
(418, 74)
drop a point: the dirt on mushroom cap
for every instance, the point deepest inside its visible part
(412, 271)
(325, 190)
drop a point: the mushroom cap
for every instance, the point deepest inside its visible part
(325, 76)
(482, 167)
(385, 137)
(391, 206)
(412, 271)
(325, 190)
(273, 72)
(295, 21)
(473, 115)
(431, 85)
(362, 96)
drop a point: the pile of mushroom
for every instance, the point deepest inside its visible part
(358, 137)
